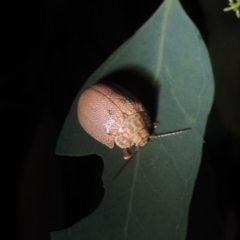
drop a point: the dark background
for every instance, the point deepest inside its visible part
(48, 49)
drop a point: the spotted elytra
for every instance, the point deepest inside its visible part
(112, 115)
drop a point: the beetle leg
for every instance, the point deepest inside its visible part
(127, 154)
(155, 124)
(127, 157)
(125, 150)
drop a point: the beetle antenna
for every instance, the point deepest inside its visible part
(170, 133)
(125, 164)
(121, 168)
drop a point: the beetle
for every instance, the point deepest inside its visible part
(112, 115)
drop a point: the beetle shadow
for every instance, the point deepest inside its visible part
(85, 173)
(140, 83)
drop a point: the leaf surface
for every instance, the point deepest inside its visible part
(150, 198)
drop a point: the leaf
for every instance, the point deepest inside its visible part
(150, 198)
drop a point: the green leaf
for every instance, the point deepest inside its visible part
(150, 198)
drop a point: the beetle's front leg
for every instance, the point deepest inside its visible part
(126, 154)
(155, 124)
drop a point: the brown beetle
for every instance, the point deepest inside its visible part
(112, 115)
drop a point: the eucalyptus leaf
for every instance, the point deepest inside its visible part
(167, 66)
